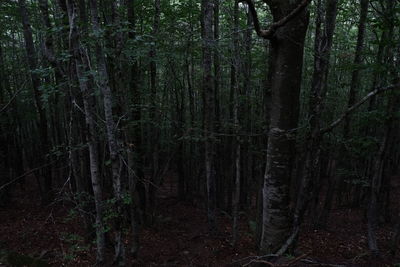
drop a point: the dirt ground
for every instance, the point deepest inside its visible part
(180, 237)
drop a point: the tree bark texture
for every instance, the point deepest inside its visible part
(114, 149)
(81, 67)
(209, 111)
(287, 58)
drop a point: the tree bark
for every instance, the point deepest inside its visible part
(209, 111)
(153, 118)
(324, 215)
(355, 75)
(81, 66)
(43, 127)
(309, 188)
(133, 137)
(236, 143)
(396, 237)
(287, 43)
(376, 182)
(103, 83)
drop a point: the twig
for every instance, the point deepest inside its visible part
(309, 261)
(296, 260)
(290, 263)
(259, 261)
(251, 258)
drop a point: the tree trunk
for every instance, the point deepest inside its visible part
(81, 67)
(209, 112)
(376, 182)
(43, 128)
(355, 75)
(103, 83)
(236, 143)
(287, 60)
(396, 237)
(134, 139)
(324, 215)
(153, 118)
(323, 44)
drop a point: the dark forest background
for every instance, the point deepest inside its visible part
(258, 123)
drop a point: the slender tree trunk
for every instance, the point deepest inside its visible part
(373, 212)
(134, 138)
(209, 112)
(324, 215)
(134, 211)
(355, 75)
(81, 66)
(217, 92)
(376, 182)
(247, 118)
(323, 43)
(43, 128)
(236, 148)
(103, 83)
(153, 118)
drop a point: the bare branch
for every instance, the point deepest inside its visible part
(12, 98)
(358, 104)
(25, 174)
(269, 33)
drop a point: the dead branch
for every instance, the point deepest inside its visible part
(358, 104)
(25, 174)
(12, 98)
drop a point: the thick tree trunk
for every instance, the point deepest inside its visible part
(287, 60)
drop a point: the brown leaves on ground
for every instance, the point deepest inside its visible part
(179, 237)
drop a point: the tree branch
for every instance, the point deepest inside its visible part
(4, 108)
(358, 104)
(268, 33)
(256, 21)
(25, 174)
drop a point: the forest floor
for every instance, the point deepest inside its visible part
(179, 237)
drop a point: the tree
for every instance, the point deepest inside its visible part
(117, 106)
(81, 67)
(103, 83)
(287, 36)
(324, 215)
(43, 127)
(209, 111)
(322, 47)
